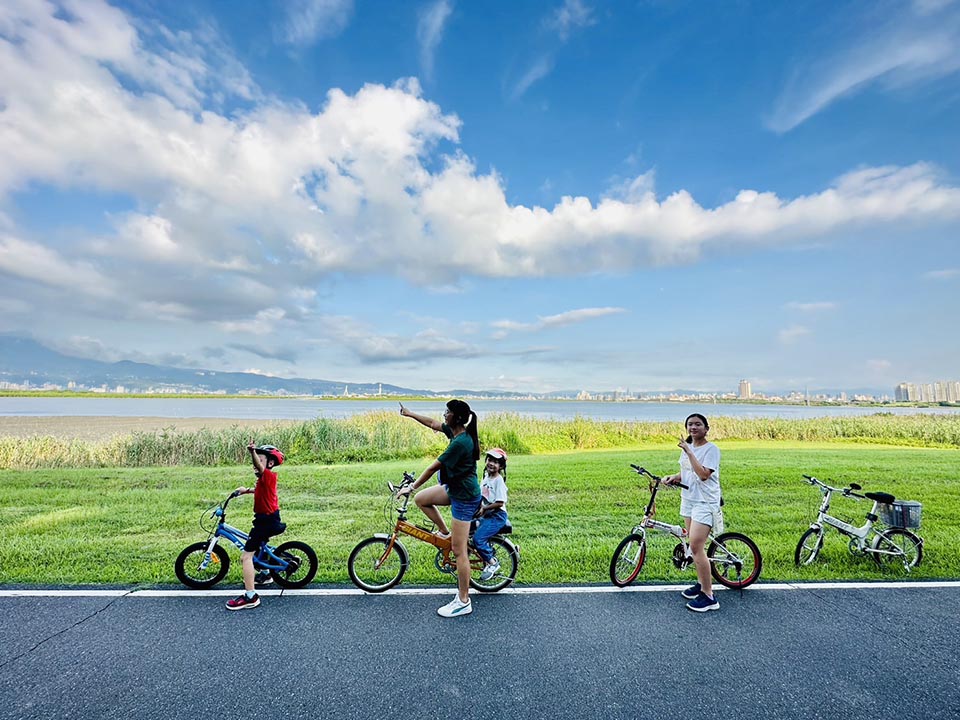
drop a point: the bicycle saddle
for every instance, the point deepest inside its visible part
(885, 498)
(506, 529)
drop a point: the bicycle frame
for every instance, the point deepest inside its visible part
(263, 559)
(445, 560)
(728, 553)
(404, 527)
(859, 534)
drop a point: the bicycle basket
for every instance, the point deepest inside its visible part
(901, 514)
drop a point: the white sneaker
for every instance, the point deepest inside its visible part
(491, 569)
(456, 607)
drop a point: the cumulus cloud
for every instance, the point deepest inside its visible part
(919, 43)
(430, 27)
(306, 21)
(370, 183)
(39, 264)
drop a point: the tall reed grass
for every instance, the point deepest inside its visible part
(379, 436)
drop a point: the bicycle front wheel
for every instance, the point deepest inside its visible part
(735, 560)
(189, 562)
(897, 549)
(628, 560)
(302, 564)
(375, 566)
(504, 551)
(809, 547)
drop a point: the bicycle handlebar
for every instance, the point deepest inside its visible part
(643, 471)
(846, 492)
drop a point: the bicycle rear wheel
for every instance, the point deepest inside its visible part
(628, 559)
(504, 551)
(897, 549)
(735, 560)
(811, 542)
(372, 569)
(302, 564)
(187, 566)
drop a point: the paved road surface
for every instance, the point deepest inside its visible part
(850, 654)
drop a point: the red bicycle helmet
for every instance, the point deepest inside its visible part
(271, 451)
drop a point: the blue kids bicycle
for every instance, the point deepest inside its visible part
(203, 564)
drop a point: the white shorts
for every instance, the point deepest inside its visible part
(703, 513)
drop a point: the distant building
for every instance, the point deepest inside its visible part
(940, 391)
(745, 392)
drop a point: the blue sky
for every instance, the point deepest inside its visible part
(502, 195)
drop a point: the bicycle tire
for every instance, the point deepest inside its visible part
(905, 542)
(806, 552)
(187, 566)
(747, 557)
(628, 560)
(362, 564)
(306, 565)
(508, 555)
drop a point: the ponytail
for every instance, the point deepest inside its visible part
(464, 416)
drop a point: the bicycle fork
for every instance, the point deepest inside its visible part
(209, 556)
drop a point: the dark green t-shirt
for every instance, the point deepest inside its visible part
(459, 469)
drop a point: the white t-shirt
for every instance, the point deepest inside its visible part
(698, 490)
(494, 489)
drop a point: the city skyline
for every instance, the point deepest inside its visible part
(515, 196)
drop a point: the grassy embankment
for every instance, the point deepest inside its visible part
(570, 509)
(382, 436)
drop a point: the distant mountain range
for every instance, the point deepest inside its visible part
(24, 360)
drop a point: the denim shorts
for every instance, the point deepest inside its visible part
(464, 509)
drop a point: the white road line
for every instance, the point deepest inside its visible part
(520, 590)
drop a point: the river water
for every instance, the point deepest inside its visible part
(271, 408)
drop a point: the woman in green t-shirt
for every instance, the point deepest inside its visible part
(458, 488)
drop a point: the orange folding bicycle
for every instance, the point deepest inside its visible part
(379, 562)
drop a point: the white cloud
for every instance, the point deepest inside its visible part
(915, 45)
(306, 21)
(505, 327)
(430, 27)
(37, 263)
(563, 21)
(572, 15)
(811, 306)
(373, 348)
(792, 334)
(539, 69)
(945, 274)
(224, 200)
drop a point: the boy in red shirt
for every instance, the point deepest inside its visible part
(266, 518)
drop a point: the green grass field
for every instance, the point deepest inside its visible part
(126, 526)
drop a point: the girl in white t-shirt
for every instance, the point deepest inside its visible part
(493, 510)
(699, 505)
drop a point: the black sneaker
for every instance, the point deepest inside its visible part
(691, 592)
(263, 578)
(702, 604)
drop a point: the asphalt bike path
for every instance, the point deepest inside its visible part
(827, 652)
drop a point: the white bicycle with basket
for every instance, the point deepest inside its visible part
(892, 545)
